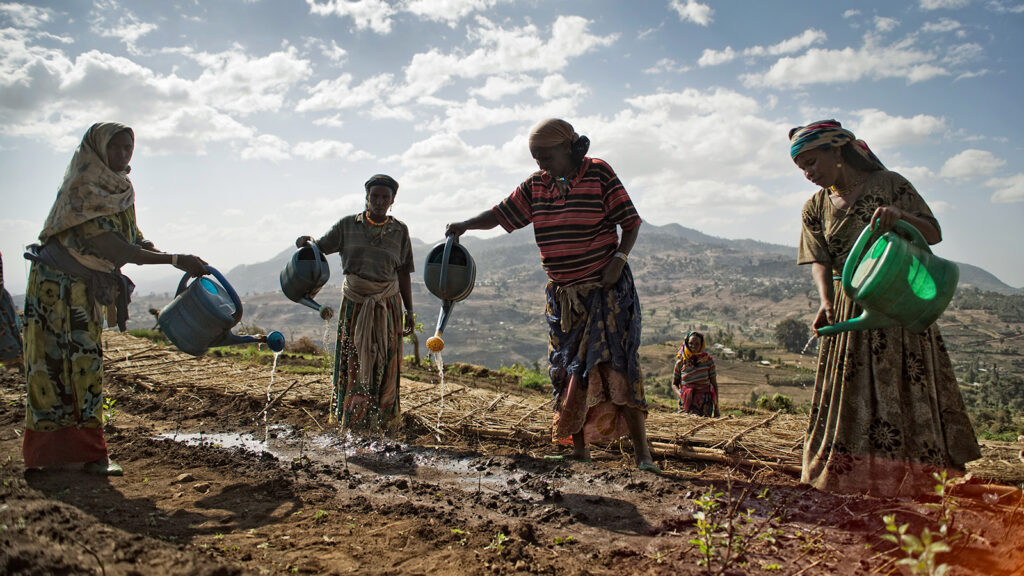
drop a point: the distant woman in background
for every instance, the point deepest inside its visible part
(887, 411)
(10, 327)
(74, 284)
(577, 206)
(376, 256)
(694, 380)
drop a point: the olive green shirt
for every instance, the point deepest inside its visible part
(375, 253)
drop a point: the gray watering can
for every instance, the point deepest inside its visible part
(203, 313)
(449, 274)
(304, 275)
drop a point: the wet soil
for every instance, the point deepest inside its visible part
(207, 490)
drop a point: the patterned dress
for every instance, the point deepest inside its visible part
(887, 411)
(64, 354)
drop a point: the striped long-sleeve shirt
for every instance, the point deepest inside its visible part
(576, 232)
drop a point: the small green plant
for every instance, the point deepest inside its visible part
(529, 377)
(497, 543)
(920, 551)
(723, 532)
(320, 515)
(564, 540)
(108, 412)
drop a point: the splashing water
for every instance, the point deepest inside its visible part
(440, 371)
(266, 409)
(807, 346)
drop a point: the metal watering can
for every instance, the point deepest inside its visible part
(897, 281)
(202, 315)
(304, 275)
(449, 274)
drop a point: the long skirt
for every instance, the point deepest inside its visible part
(64, 372)
(887, 412)
(371, 406)
(595, 364)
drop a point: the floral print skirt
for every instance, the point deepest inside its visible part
(886, 413)
(64, 372)
(368, 406)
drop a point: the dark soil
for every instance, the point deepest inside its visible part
(202, 496)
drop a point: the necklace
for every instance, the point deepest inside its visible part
(371, 220)
(847, 190)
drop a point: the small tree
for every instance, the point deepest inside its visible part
(414, 339)
(791, 334)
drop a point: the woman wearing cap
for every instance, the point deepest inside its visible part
(74, 284)
(887, 411)
(576, 205)
(376, 257)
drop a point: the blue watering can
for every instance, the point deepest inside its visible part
(897, 281)
(449, 274)
(203, 313)
(304, 275)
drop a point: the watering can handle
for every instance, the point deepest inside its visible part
(316, 257)
(223, 282)
(866, 235)
(444, 264)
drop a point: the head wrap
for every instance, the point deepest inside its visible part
(382, 180)
(552, 132)
(828, 133)
(90, 188)
(689, 355)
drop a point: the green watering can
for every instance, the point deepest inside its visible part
(897, 281)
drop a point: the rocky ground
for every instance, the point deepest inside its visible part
(204, 494)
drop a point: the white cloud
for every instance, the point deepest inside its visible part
(329, 149)
(940, 26)
(24, 15)
(818, 66)
(266, 147)
(111, 20)
(711, 57)
(244, 84)
(851, 13)
(1000, 7)
(508, 50)
(373, 14)
(943, 4)
(448, 11)
(1009, 189)
(963, 54)
(693, 11)
(666, 65)
(497, 87)
(338, 94)
(971, 163)
(884, 24)
(556, 86)
(881, 130)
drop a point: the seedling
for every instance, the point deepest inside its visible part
(497, 543)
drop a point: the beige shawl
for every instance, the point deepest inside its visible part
(371, 336)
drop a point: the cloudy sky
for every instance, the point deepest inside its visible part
(258, 120)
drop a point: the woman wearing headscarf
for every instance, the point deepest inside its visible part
(74, 285)
(376, 257)
(887, 411)
(576, 205)
(693, 378)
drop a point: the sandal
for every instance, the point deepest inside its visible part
(566, 458)
(104, 467)
(650, 467)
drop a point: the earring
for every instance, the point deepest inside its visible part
(839, 165)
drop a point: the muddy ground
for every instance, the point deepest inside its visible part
(202, 494)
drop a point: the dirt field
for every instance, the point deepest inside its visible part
(203, 494)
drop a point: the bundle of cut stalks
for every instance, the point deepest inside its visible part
(473, 411)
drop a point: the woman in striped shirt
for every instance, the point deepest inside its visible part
(576, 205)
(694, 379)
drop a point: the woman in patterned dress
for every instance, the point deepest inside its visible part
(576, 205)
(73, 285)
(376, 257)
(694, 380)
(887, 412)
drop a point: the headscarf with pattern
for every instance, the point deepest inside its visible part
(90, 188)
(827, 133)
(688, 355)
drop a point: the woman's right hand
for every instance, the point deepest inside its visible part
(455, 229)
(825, 317)
(302, 240)
(192, 264)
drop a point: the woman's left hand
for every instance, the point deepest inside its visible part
(410, 323)
(886, 216)
(612, 272)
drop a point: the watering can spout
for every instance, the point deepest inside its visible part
(869, 320)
